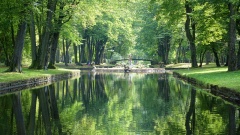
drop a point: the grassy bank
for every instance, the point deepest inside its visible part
(212, 75)
(208, 74)
(28, 73)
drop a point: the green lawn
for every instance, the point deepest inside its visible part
(213, 75)
(28, 73)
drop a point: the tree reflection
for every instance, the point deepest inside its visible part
(164, 88)
(31, 127)
(190, 116)
(17, 109)
(44, 109)
(54, 109)
(117, 104)
(41, 117)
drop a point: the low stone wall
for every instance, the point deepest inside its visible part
(33, 82)
(226, 93)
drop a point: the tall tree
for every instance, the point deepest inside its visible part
(63, 14)
(43, 50)
(55, 35)
(232, 37)
(32, 32)
(16, 62)
(190, 28)
(238, 31)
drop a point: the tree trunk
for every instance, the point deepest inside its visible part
(64, 53)
(79, 54)
(226, 64)
(90, 48)
(161, 50)
(12, 34)
(216, 57)
(164, 48)
(202, 54)
(83, 46)
(58, 55)
(15, 65)
(208, 57)
(99, 49)
(238, 30)
(44, 43)
(5, 50)
(83, 56)
(68, 43)
(232, 38)
(167, 48)
(102, 54)
(191, 35)
(178, 54)
(56, 34)
(75, 48)
(238, 56)
(184, 51)
(51, 64)
(33, 41)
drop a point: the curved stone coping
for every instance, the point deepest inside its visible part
(223, 92)
(33, 82)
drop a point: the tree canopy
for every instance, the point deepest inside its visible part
(41, 33)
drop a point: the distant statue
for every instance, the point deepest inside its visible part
(126, 69)
(94, 68)
(161, 65)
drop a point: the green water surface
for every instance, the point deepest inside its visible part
(117, 104)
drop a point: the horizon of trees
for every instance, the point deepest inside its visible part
(42, 33)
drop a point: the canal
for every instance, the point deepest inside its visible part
(117, 104)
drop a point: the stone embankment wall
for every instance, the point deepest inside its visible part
(33, 82)
(226, 93)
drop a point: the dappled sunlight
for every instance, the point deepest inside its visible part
(207, 71)
(179, 65)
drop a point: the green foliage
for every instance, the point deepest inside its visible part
(70, 33)
(146, 26)
(210, 26)
(68, 115)
(116, 56)
(127, 27)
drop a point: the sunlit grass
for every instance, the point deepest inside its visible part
(179, 65)
(204, 70)
(27, 74)
(216, 76)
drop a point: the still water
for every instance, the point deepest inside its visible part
(117, 104)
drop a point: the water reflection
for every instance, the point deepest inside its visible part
(117, 104)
